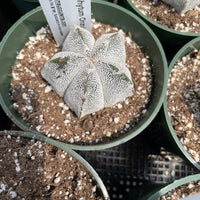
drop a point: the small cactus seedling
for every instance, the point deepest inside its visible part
(182, 6)
(90, 75)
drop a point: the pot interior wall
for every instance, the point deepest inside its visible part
(10, 47)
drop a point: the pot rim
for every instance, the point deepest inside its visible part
(173, 185)
(119, 140)
(179, 54)
(164, 28)
(87, 166)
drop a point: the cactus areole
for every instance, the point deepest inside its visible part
(90, 75)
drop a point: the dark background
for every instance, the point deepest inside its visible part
(131, 170)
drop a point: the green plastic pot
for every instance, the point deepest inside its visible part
(87, 166)
(171, 39)
(195, 43)
(105, 12)
(160, 192)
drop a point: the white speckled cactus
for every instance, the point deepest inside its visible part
(90, 75)
(182, 6)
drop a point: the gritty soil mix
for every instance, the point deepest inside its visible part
(40, 106)
(183, 100)
(33, 170)
(182, 191)
(166, 15)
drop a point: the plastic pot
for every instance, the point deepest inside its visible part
(195, 43)
(107, 13)
(160, 192)
(87, 166)
(171, 39)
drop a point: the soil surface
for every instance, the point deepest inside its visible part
(40, 106)
(183, 100)
(166, 15)
(182, 191)
(34, 170)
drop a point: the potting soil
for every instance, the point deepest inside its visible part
(34, 170)
(40, 106)
(166, 15)
(183, 100)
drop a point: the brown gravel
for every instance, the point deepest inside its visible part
(183, 99)
(32, 170)
(182, 191)
(40, 106)
(166, 15)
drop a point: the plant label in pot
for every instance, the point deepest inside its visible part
(61, 15)
(182, 6)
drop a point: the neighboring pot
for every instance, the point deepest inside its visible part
(195, 43)
(113, 15)
(170, 187)
(170, 38)
(87, 166)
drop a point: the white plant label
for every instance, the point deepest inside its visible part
(62, 14)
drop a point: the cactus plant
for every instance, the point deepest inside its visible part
(182, 6)
(90, 75)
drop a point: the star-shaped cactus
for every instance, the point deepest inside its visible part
(90, 75)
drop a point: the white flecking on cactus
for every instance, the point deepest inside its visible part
(90, 75)
(182, 6)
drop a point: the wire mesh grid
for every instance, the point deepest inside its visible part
(127, 170)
